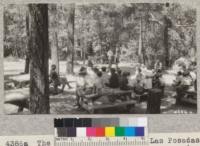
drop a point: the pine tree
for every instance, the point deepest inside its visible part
(39, 82)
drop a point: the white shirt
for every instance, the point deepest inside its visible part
(105, 78)
(110, 54)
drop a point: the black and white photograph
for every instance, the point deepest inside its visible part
(100, 58)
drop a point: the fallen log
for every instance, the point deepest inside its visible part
(18, 97)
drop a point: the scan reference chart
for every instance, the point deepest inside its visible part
(101, 131)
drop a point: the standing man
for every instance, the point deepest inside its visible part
(110, 57)
(117, 56)
(158, 65)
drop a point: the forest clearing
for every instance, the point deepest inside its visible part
(95, 58)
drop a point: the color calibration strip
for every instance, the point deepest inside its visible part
(100, 127)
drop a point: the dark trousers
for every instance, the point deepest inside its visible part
(154, 101)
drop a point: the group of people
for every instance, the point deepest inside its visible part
(185, 81)
(92, 80)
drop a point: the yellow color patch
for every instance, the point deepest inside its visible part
(110, 131)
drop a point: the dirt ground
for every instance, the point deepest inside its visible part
(63, 103)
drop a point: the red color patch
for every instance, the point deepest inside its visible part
(100, 132)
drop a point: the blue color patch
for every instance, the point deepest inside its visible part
(139, 131)
(129, 131)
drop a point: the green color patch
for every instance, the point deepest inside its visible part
(119, 131)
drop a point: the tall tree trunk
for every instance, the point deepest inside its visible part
(70, 30)
(54, 51)
(39, 50)
(84, 55)
(27, 61)
(140, 51)
(54, 47)
(166, 37)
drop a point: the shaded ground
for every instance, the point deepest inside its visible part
(64, 103)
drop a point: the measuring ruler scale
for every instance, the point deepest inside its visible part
(101, 131)
(101, 141)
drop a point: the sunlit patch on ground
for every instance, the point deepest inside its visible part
(63, 103)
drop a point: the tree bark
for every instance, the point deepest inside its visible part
(70, 30)
(166, 37)
(140, 51)
(39, 50)
(166, 46)
(27, 61)
(54, 47)
(54, 51)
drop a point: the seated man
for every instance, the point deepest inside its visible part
(105, 76)
(158, 65)
(179, 78)
(124, 82)
(119, 73)
(139, 85)
(87, 91)
(183, 83)
(98, 85)
(156, 83)
(90, 63)
(113, 81)
(80, 85)
(56, 81)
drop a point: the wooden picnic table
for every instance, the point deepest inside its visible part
(116, 98)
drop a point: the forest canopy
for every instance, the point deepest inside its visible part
(135, 28)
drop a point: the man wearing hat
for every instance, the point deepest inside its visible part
(110, 57)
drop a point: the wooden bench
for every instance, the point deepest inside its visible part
(140, 97)
(190, 97)
(91, 108)
(87, 102)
